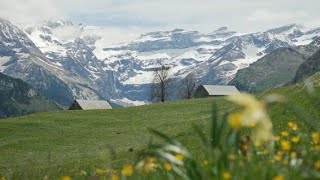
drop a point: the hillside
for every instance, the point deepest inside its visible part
(18, 98)
(273, 70)
(308, 68)
(53, 143)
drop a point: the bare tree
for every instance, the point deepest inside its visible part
(161, 83)
(189, 85)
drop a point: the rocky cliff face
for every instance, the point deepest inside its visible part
(18, 98)
(310, 67)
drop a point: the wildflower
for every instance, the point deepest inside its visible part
(317, 165)
(232, 157)
(265, 152)
(234, 121)
(127, 170)
(226, 176)
(285, 145)
(114, 177)
(277, 158)
(284, 133)
(147, 165)
(295, 139)
(316, 138)
(167, 166)
(279, 177)
(293, 126)
(65, 178)
(257, 144)
(277, 138)
(180, 157)
(280, 153)
(293, 155)
(244, 149)
(101, 171)
(253, 115)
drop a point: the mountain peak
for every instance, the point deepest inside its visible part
(286, 29)
(222, 29)
(223, 32)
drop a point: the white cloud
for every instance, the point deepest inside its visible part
(24, 12)
(122, 17)
(67, 33)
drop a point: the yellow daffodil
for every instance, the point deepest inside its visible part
(315, 138)
(127, 170)
(277, 138)
(226, 176)
(167, 166)
(285, 145)
(65, 178)
(279, 177)
(295, 139)
(253, 115)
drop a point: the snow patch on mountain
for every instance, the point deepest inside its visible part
(3, 61)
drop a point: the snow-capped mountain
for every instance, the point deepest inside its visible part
(214, 58)
(20, 58)
(92, 69)
(68, 51)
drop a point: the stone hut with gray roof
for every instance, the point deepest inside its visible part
(215, 91)
(89, 105)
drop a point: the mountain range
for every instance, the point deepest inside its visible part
(63, 60)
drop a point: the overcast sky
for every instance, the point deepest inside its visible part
(124, 16)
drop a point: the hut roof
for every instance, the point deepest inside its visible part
(93, 104)
(216, 90)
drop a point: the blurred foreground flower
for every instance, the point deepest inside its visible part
(65, 178)
(316, 138)
(226, 176)
(114, 177)
(101, 171)
(253, 115)
(127, 171)
(147, 165)
(167, 166)
(279, 178)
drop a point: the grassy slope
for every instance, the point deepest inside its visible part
(49, 141)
